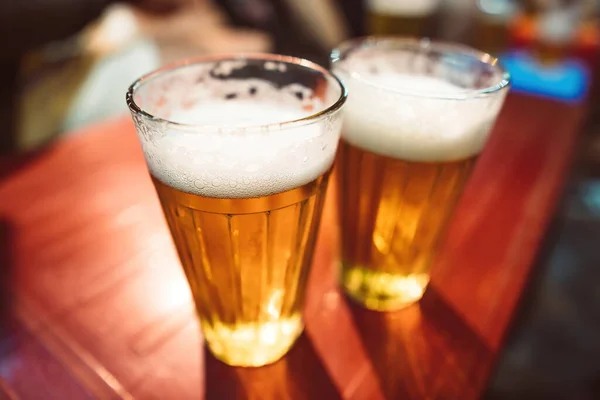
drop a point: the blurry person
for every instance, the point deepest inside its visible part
(53, 62)
(26, 25)
(127, 42)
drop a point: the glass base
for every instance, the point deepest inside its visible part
(383, 291)
(252, 344)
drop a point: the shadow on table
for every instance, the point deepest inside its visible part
(298, 375)
(423, 351)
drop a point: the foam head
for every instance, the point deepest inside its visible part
(238, 129)
(418, 101)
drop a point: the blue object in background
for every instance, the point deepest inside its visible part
(567, 80)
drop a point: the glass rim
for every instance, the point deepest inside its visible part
(387, 42)
(311, 118)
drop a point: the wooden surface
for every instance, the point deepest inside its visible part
(95, 305)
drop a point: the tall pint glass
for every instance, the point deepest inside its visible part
(418, 116)
(239, 149)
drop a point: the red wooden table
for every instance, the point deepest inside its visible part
(95, 304)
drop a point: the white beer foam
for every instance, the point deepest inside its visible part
(414, 8)
(415, 127)
(231, 162)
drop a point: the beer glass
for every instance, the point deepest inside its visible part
(400, 17)
(239, 149)
(418, 116)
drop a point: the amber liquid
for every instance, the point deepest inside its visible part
(402, 25)
(247, 263)
(393, 213)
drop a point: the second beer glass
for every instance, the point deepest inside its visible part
(417, 118)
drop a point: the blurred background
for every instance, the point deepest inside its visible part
(66, 64)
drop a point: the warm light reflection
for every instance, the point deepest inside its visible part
(176, 292)
(382, 291)
(166, 286)
(253, 344)
(275, 303)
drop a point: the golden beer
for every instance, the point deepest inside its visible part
(410, 139)
(247, 261)
(391, 235)
(400, 17)
(241, 168)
